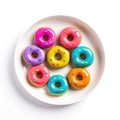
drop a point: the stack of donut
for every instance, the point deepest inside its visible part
(58, 56)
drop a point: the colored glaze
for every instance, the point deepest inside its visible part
(78, 78)
(45, 37)
(57, 85)
(33, 55)
(38, 75)
(82, 56)
(62, 52)
(70, 38)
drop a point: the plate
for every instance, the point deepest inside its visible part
(89, 39)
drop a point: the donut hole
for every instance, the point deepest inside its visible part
(39, 74)
(79, 77)
(34, 54)
(57, 84)
(58, 56)
(45, 37)
(70, 37)
(82, 56)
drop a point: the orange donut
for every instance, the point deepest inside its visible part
(78, 78)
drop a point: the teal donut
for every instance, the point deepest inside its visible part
(82, 56)
(57, 85)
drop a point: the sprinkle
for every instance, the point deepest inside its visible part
(86, 76)
(86, 62)
(50, 42)
(38, 50)
(75, 83)
(76, 31)
(72, 73)
(63, 60)
(34, 80)
(85, 50)
(55, 78)
(82, 62)
(81, 83)
(57, 64)
(30, 48)
(74, 57)
(39, 59)
(50, 80)
(46, 44)
(50, 59)
(46, 73)
(44, 81)
(57, 91)
(37, 70)
(82, 71)
(32, 72)
(58, 50)
(65, 32)
(51, 89)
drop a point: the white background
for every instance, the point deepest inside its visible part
(103, 16)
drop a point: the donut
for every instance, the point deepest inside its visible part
(70, 38)
(33, 55)
(57, 85)
(45, 37)
(82, 56)
(38, 75)
(58, 56)
(78, 78)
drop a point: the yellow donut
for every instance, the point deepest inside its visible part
(58, 56)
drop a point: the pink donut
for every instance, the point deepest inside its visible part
(38, 75)
(70, 37)
(45, 37)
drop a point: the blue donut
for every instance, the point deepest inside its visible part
(82, 56)
(57, 85)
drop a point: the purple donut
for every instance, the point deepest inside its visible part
(45, 37)
(33, 55)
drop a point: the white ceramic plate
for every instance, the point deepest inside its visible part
(89, 39)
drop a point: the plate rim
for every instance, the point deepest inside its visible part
(47, 102)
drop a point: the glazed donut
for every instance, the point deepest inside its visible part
(70, 38)
(33, 55)
(38, 75)
(45, 37)
(78, 78)
(58, 56)
(82, 56)
(57, 85)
